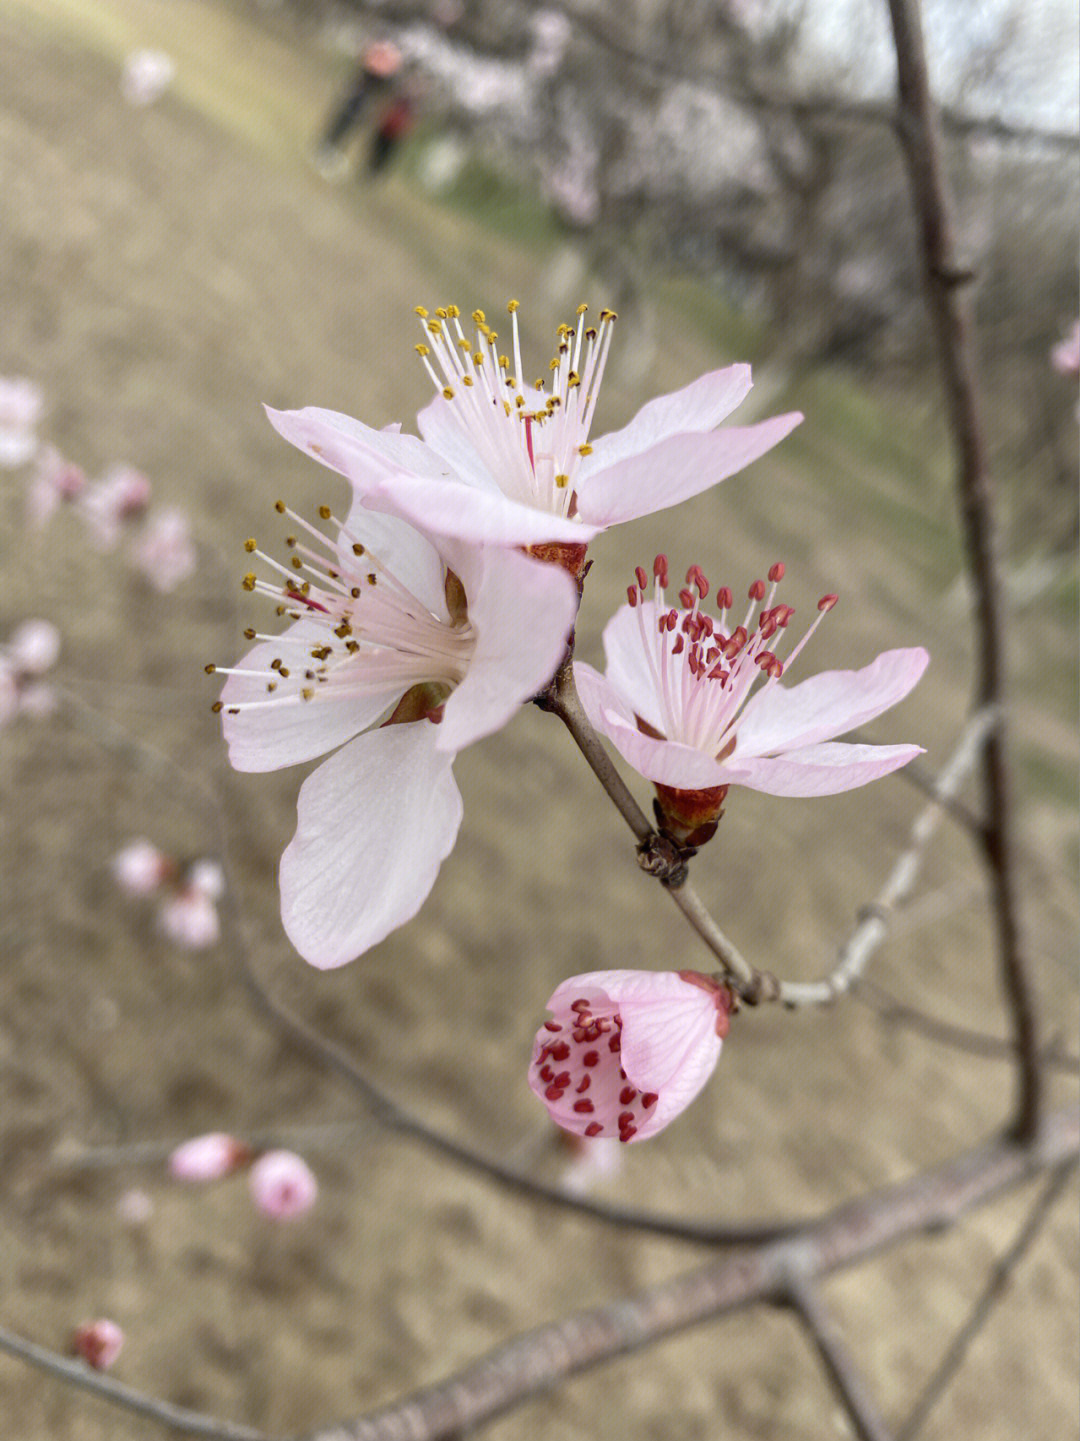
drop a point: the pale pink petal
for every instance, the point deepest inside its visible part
(282, 1185)
(668, 763)
(99, 1343)
(207, 877)
(190, 919)
(523, 611)
(139, 868)
(355, 450)
(286, 732)
(450, 507)
(207, 1158)
(446, 434)
(376, 821)
(679, 467)
(628, 667)
(820, 770)
(401, 549)
(699, 406)
(782, 718)
(34, 646)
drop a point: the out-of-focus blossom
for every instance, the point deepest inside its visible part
(55, 481)
(207, 877)
(99, 1343)
(21, 402)
(626, 1051)
(140, 867)
(1065, 356)
(592, 1160)
(31, 650)
(506, 463)
(694, 703)
(120, 496)
(147, 74)
(135, 1207)
(282, 1185)
(164, 551)
(209, 1157)
(551, 35)
(190, 919)
(404, 649)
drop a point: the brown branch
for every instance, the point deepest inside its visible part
(538, 1360)
(105, 1388)
(848, 1384)
(995, 1288)
(950, 314)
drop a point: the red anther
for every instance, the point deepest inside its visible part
(625, 1119)
(627, 1094)
(584, 1108)
(705, 624)
(827, 602)
(546, 1073)
(650, 1098)
(642, 578)
(756, 591)
(632, 594)
(686, 598)
(580, 1034)
(591, 1058)
(627, 1132)
(615, 1044)
(712, 655)
(562, 1079)
(776, 572)
(552, 1026)
(672, 618)
(660, 569)
(776, 668)
(678, 647)
(622, 1075)
(593, 1128)
(561, 1052)
(696, 576)
(579, 1005)
(724, 598)
(553, 1093)
(764, 659)
(783, 614)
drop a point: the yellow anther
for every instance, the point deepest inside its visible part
(284, 672)
(209, 669)
(562, 481)
(307, 693)
(448, 392)
(249, 632)
(290, 541)
(553, 364)
(355, 592)
(357, 549)
(504, 362)
(248, 581)
(509, 408)
(371, 579)
(519, 402)
(466, 380)
(251, 544)
(582, 308)
(479, 318)
(216, 707)
(325, 512)
(464, 344)
(279, 506)
(434, 328)
(562, 330)
(590, 334)
(478, 358)
(421, 311)
(423, 349)
(296, 563)
(572, 379)
(513, 305)
(441, 312)
(584, 450)
(453, 312)
(271, 685)
(275, 664)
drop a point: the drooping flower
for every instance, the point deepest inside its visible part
(283, 1185)
(439, 641)
(626, 1051)
(21, 402)
(510, 463)
(208, 1158)
(694, 702)
(164, 551)
(99, 1343)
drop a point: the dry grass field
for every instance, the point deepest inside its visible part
(163, 273)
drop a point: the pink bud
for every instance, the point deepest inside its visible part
(190, 919)
(139, 868)
(207, 1158)
(98, 1342)
(283, 1185)
(207, 877)
(34, 646)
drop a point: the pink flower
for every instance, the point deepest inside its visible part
(146, 76)
(207, 1158)
(139, 868)
(98, 1342)
(165, 552)
(34, 646)
(439, 641)
(283, 1185)
(190, 919)
(680, 705)
(121, 495)
(504, 462)
(626, 1051)
(31, 650)
(1065, 356)
(593, 1160)
(21, 402)
(207, 877)
(55, 481)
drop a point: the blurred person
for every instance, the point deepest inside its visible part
(379, 62)
(396, 121)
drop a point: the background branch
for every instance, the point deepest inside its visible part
(849, 1386)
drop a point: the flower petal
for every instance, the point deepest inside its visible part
(821, 770)
(401, 548)
(674, 470)
(628, 668)
(355, 450)
(444, 430)
(283, 729)
(376, 821)
(699, 406)
(783, 718)
(523, 611)
(450, 507)
(667, 762)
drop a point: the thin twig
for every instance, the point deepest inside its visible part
(837, 1360)
(951, 318)
(105, 1388)
(994, 1290)
(540, 1359)
(873, 926)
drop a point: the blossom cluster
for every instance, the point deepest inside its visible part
(281, 1183)
(445, 596)
(30, 651)
(187, 895)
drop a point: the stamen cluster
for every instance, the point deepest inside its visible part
(579, 1061)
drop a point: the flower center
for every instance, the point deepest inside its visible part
(581, 1063)
(703, 670)
(366, 632)
(532, 441)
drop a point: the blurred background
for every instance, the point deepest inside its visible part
(211, 205)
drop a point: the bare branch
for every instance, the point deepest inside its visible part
(874, 923)
(837, 1360)
(538, 1360)
(79, 1374)
(950, 314)
(994, 1290)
